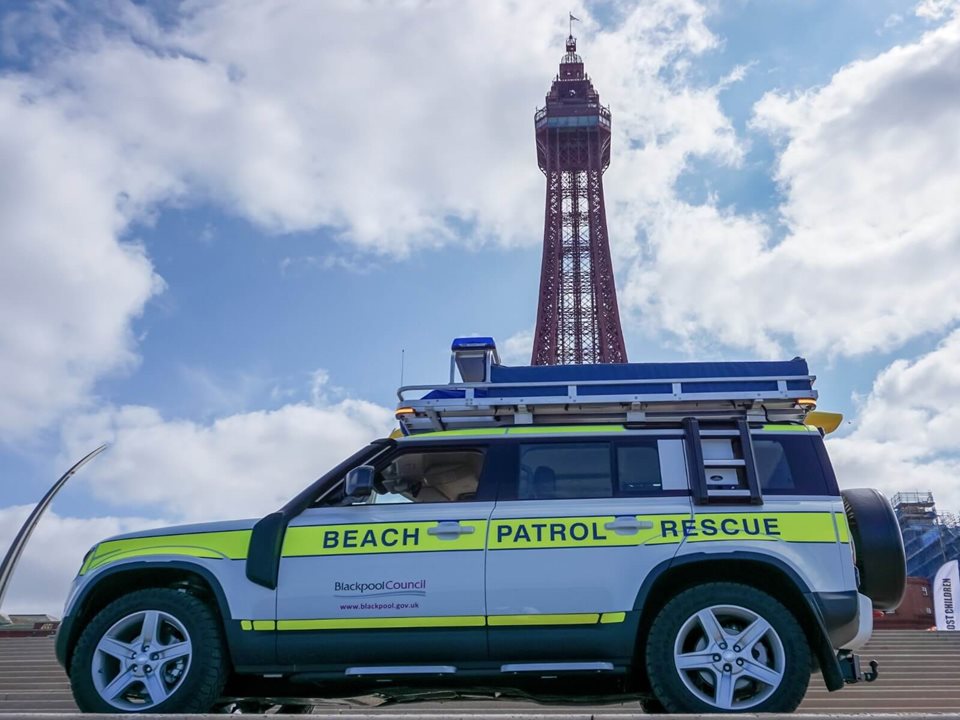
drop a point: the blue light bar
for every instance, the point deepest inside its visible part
(473, 343)
(474, 357)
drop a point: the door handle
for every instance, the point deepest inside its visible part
(450, 530)
(628, 525)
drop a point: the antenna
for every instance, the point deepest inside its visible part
(402, 351)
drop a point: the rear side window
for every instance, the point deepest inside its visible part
(789, 465)
(638, 468)
(560, 471)
(583, 470)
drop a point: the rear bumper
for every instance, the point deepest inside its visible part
(864, 624)
(847, 617)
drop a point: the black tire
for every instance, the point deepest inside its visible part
(665, 679)
(257, 707)
(878, 544)
(205, 676)
(295, 710)
(651, 706)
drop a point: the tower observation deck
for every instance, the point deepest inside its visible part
(578, 320)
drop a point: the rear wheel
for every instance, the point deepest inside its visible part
(726, 647)
(158, 650)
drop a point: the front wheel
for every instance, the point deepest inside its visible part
(157, 650)
(726, 647)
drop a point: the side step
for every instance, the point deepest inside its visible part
(514, 668)
(401, 670)
(557, 667)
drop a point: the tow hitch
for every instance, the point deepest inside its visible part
(852, 672)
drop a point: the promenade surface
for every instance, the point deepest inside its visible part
(919, 674)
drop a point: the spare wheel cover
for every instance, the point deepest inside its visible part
(879, 546)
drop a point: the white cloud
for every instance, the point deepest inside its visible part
(892, 21)
(905, 436)
(54, 555)
(68, 288)
(936, 9)
(404, 126)
(661, 120)
(396, 124)
(243, 465)
(870, 170)
(517, 349)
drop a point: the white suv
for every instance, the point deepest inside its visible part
(700, 560)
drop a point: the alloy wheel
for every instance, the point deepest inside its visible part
(141, 660)
(729, 657)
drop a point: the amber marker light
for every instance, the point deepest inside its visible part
(404, 411)
(807, 403)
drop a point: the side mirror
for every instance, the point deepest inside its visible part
(359, 482)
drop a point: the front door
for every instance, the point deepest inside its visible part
(395, 581)
(579, 526)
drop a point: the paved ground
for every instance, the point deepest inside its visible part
(919, 673)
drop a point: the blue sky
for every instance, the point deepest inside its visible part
(224, 222)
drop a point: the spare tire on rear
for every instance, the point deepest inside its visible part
(878, 545)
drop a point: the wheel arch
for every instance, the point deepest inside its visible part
(763, 572)
(123, 578)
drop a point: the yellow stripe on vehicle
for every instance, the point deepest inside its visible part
(468, 432)
(553, 429)
(226, 545)
(787, 527)
(611, 618)
(504, 534)
(386, 622)
(585, 532)
(843, 529)
(569, 532)
(521, 430)
(561, 619)
(435, 621)
(360, 539)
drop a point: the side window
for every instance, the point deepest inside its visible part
(638, 468)
(789, 466)
(558, 471)
(430, 477)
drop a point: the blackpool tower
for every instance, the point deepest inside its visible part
(578, 320)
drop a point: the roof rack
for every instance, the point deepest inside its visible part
(490, 394)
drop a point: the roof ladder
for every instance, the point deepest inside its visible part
(728, 481)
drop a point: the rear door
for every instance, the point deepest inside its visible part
(579, 524)
(800, 520)
(398, 581)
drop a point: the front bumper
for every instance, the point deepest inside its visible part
(62, 641)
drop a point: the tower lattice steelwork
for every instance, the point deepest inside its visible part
(578, 320)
